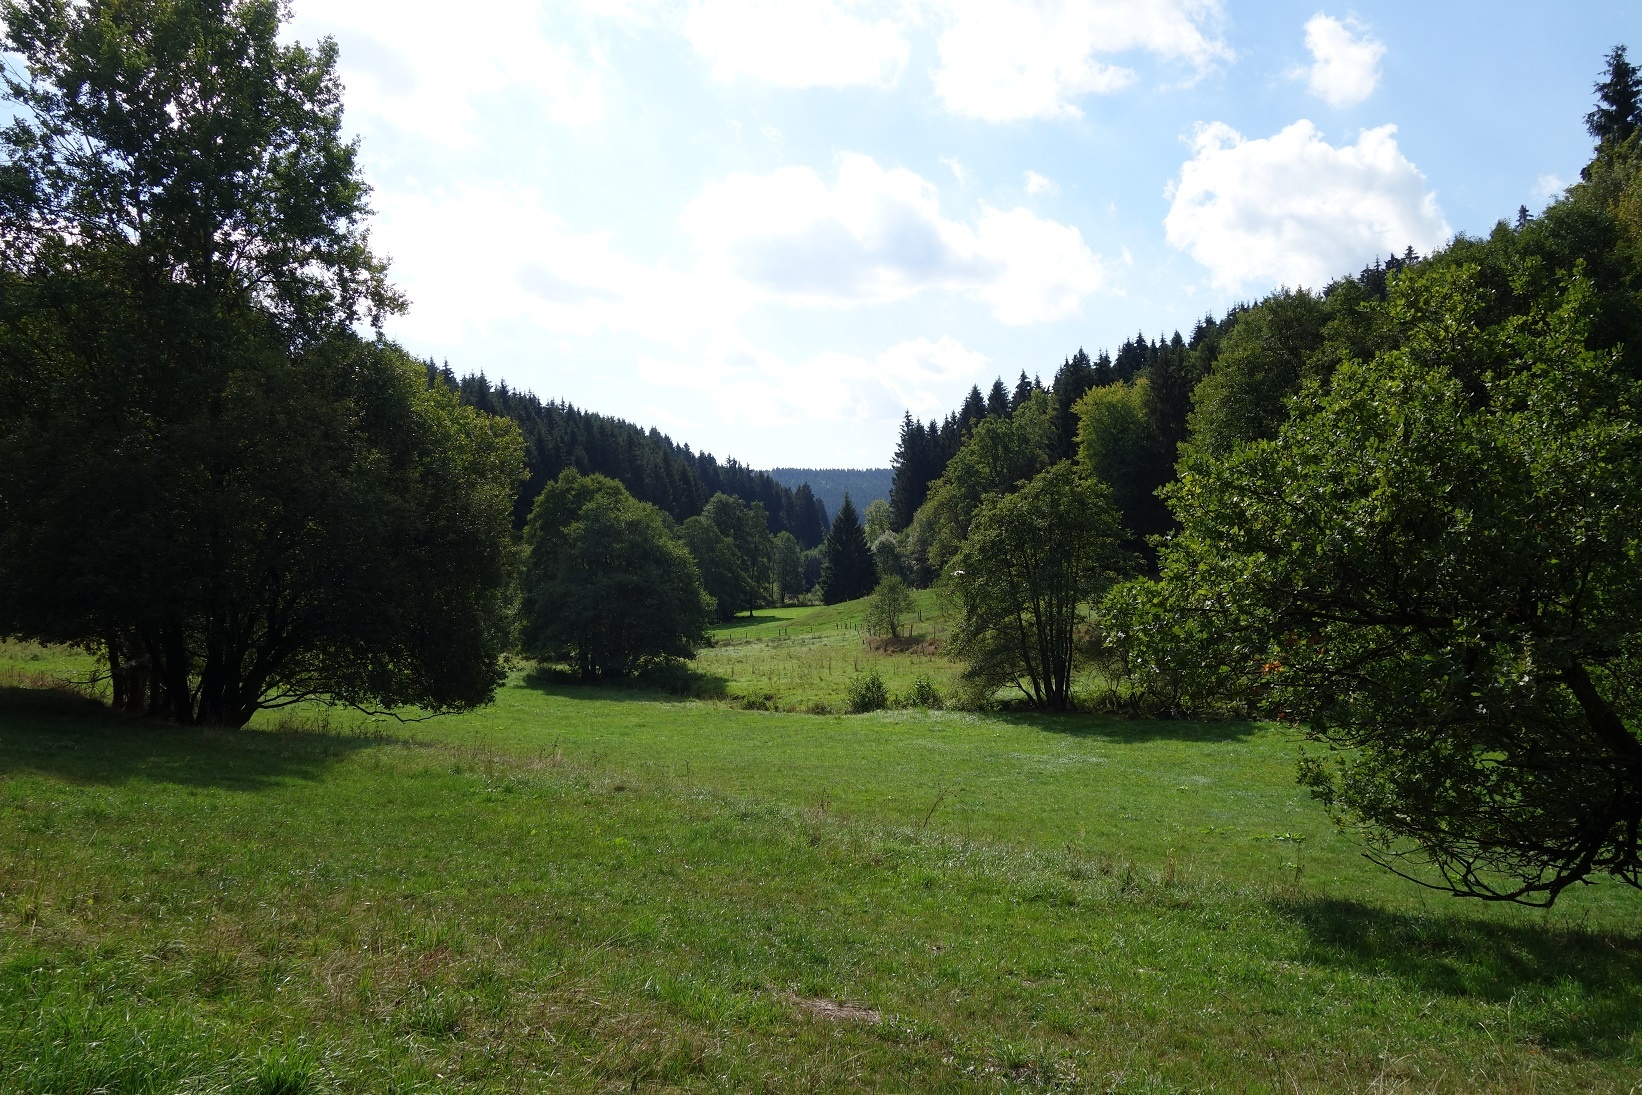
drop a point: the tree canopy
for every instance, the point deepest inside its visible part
(205, 474)
(1031, 564)
(1618, 110)
(608, 587)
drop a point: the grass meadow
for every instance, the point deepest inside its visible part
(598, 889)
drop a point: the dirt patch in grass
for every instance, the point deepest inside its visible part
(822, 1008)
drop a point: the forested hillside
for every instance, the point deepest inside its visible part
(863, 485)
(648, 463)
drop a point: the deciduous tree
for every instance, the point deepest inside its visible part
(608, 588)
(1435, 567)
(205, 474)
(1032, 562)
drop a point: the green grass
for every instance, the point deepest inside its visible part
(594, 889)
(803, 659)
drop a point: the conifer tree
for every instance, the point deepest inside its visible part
(847, 569)
(1022, 392)
(973, 410)
(1619, 101)
(997, 400)
(1076, 376)
(1131, 358)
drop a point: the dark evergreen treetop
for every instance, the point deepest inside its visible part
(1618, 111)
(1023, 390)
(1132, 357)
(648, 463)
(847, 569)
(997, 400)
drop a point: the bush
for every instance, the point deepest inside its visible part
(867, 693)
(923, 694)
(1159, 659)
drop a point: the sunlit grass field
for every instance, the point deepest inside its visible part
(803, 659)
(601, 889)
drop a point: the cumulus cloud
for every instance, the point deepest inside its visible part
(1292, 209)
(998, 60)
(1345, 60)
(486, 253)
(397, 60)
(1006, 60)
(877, 235)
(817, 43)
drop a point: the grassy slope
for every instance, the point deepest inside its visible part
(579, 889)
(797, 659)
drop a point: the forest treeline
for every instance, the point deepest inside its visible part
(647, 463)
(1152, 387)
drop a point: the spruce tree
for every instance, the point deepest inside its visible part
(847, 570)
(1076, 376)
(1131, 358)
(1023, 391)
(1619, 101)
(997, 400)
(913, 457)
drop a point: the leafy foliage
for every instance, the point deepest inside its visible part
(888, 609)
(608, 587)
(723, 571)
(786, 568)
(1032, 561)
(1003, 451)
(1434, 568)
(204, 472)
(867, 693)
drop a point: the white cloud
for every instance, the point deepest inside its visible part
(815, 43)
(877, 236)
(398, 60)
(1292, 209)
(922, 375)
(1006, 60)
(1345, 65)
(959, 171)
(1549, 186)
(1038, 184)
(478, 255)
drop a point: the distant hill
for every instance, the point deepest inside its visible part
(830, 484)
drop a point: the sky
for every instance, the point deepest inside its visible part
(771, 228)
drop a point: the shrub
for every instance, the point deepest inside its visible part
(867, 693)
(923, 694)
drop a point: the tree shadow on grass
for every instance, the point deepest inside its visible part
(67, 736)
(678, 683)
(741, 623)
(1121, 731)
(1571, 989)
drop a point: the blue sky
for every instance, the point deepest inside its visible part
(769, 228)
